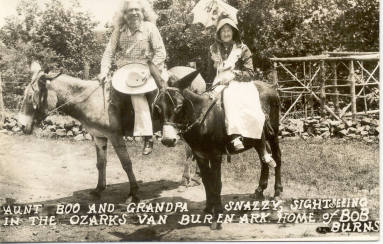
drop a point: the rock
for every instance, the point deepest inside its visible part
(375, 122)
(340, 127)
(3, 131)
(377, 130)
(364, 133)
(311, 121)
(335, 123)
(365, 121)
(326, 134)
(351, 135)
(88, 137)
(367, 139)
(291, 129)
(349, 123)
(342, 133)
(12, 124)
(128, 138)
(59, 126)
(318, 138)
(138, 138)
(295, 125)
(16, 129)
(51, 128)
(372, 131)
(324, 129)
(79, 137)
(61, 132)
(70, 125)
(69, 133)
(352, 130)
(48, 121)
(317, 125)
(285, 133)
(76, 130)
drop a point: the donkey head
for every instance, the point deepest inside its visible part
(174, 106)
(37, 101)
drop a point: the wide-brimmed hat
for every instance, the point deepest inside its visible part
(227, 20)
(133, 79)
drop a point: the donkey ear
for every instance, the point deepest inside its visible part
(186, 80)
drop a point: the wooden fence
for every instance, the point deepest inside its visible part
(341, 76)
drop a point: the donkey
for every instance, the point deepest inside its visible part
(201, 122)
(82, 100)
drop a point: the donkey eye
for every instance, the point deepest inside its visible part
(178, 109)
(158, 109)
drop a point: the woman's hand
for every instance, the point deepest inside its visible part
(102, 77)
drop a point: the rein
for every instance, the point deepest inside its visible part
(69, 101)
(197, 121)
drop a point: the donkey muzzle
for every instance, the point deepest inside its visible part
(169, 136)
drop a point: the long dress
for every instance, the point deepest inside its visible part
(243, 111)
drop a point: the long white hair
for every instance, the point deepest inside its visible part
(147, 11)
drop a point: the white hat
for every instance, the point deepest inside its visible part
(133, 79)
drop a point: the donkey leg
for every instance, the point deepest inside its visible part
(262, 148)
(216, 183)
(276, 151)
(203, 165)
(120, 148)
(101, 149)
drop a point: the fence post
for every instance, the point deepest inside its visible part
(364, 89)
(352, 90)
(304, 96)
(275, 74)
(336, 91)
(322, 88)
(86, 70)
(2, 110)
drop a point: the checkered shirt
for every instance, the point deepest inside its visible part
(139, 46)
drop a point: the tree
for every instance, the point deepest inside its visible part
(66, 33)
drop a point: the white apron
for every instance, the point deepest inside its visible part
(243, 111)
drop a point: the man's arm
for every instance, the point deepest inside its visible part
(159, 52)
(106, 61)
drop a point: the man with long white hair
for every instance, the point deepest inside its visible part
(135, 40)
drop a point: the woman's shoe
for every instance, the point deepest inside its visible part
(148, 146)
(237, 144)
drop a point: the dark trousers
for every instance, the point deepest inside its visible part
(121, 113)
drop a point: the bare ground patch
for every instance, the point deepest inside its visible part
(38, 170)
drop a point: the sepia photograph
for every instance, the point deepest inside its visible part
(189, 120)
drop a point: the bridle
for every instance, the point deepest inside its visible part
(43, 93)
(182, 128)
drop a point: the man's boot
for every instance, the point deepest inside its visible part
(148, 145)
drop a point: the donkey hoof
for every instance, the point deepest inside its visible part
(277, 196)
(96, 193)
(216, 226)
(208, 210)
(132, 199)
(258, 195)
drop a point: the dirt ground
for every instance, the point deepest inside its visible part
(49, 171)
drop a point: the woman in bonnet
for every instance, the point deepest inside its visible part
(233, 67)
